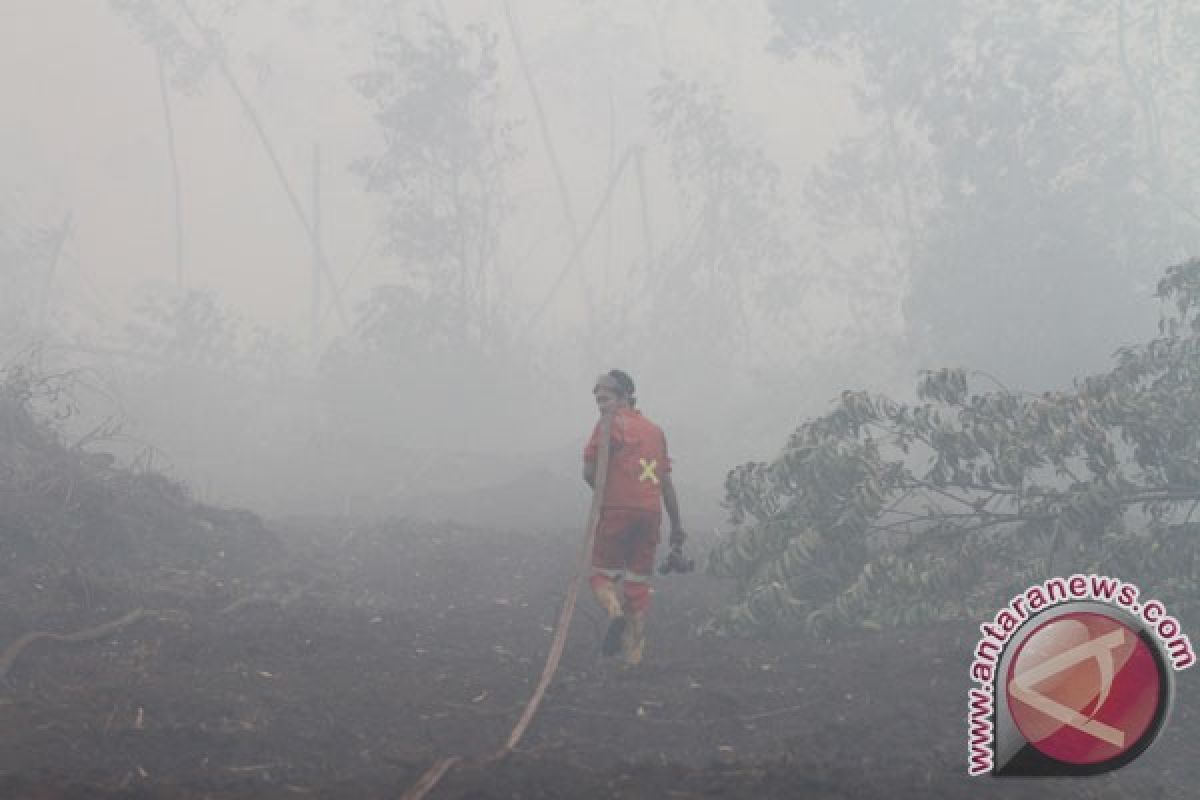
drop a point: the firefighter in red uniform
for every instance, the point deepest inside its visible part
(637, 486)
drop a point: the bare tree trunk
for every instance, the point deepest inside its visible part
(647, 236)
(256, 123)
(165, 94)
(1144, 97)
(892, 140)
(314, 325)
(639, 166)
(612, 158)
(587, 234)
(659, 30)
(552, 154)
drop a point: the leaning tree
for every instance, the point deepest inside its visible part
(883, 513)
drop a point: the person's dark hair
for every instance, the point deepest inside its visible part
(626, 383)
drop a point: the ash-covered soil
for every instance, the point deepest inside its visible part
(327, 659)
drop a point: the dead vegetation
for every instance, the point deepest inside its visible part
(84, 540)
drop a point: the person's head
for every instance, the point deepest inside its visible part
(613, 390)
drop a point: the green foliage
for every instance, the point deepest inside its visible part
(439, 331)
(164, 27)
(732, 262)
(442, 170)
(883, 513)
(1030, 155)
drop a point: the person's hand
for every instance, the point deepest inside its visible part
(678, 537)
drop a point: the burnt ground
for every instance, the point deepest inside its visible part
(321, 659)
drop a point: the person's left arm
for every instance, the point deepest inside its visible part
(671, 502)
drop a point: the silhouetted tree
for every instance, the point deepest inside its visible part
(1023, 168)
(442, 170)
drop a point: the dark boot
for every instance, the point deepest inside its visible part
(610, 601)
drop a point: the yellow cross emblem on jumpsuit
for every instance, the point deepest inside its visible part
(648, 470)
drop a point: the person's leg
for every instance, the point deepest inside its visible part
(608, 567)
(642, 546)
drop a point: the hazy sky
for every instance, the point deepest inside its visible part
(89, 137)
(85, 134)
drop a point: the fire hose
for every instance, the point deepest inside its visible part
(430, 778)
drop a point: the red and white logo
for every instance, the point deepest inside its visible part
(1073, 677)
(1084, 689)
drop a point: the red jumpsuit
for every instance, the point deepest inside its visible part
(631, 511)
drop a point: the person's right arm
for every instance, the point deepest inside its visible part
(591, 452)
(589, 473)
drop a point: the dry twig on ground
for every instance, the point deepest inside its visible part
(9, 656)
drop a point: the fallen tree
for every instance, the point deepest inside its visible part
(884, 513)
